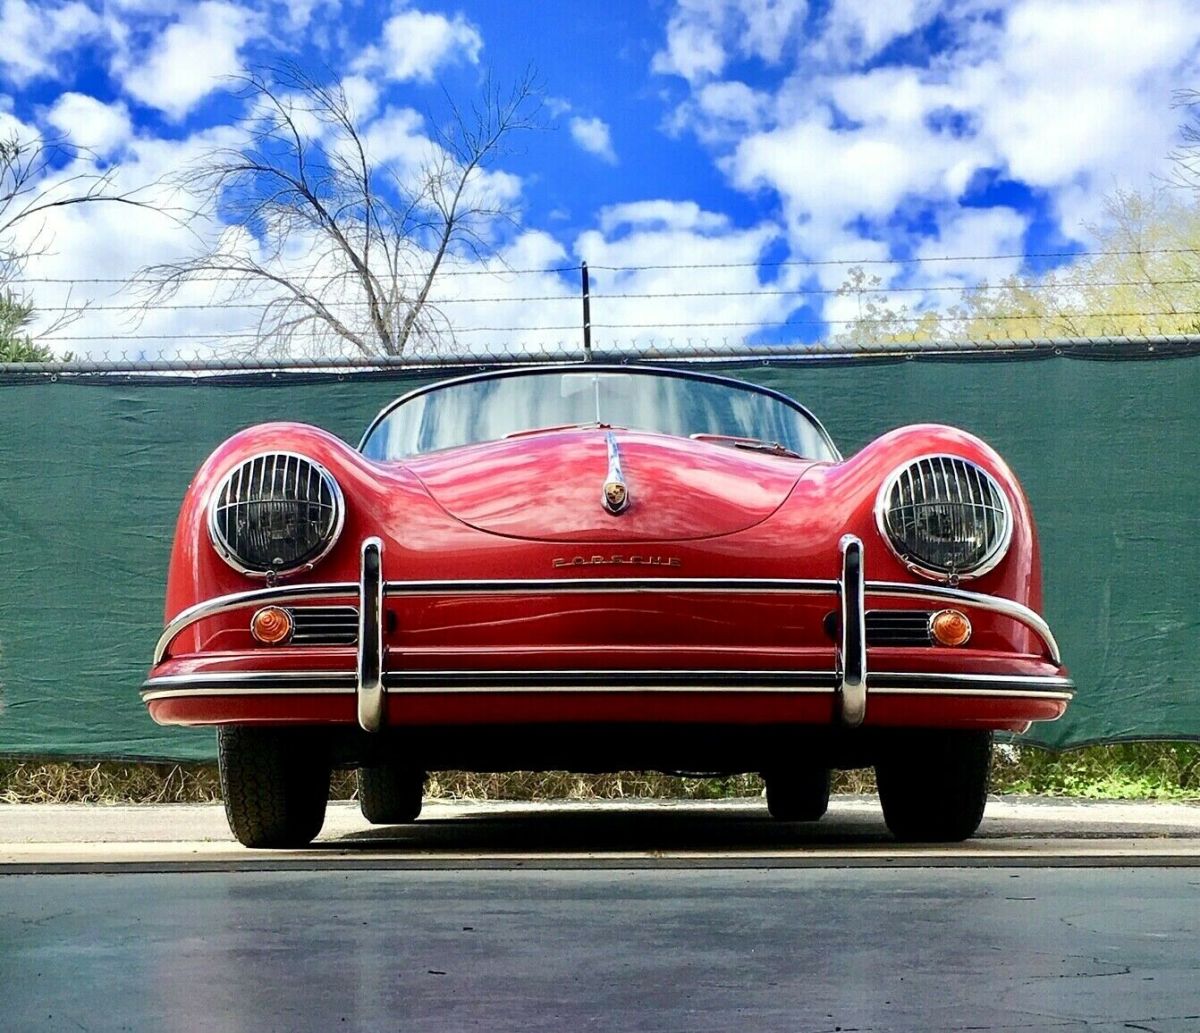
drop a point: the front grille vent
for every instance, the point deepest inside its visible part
(898, 627)
(946, 516)
(325, 625)
(889, 627)
(275, 512)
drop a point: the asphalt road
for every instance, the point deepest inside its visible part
(763, 950)
(614, 917)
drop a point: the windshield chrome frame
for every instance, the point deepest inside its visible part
(612, 367)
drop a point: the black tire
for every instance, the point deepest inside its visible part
(800, 794)
(933, 785)
(390, 794)
(275, 782)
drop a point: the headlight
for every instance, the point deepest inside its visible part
(945, 517)
(275, 513)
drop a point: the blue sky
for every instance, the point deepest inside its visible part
(745, 132)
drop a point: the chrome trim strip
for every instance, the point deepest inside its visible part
(898, 678)
(535, 586)
(610, 680)
(974, 693)
(236, 600)
(149, 695)
(454, 682)
(341, 680)
(372, 696)
(614, 480)
(852, 653)
(825, 679)
(993, 603)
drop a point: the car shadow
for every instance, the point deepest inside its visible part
(571, 829)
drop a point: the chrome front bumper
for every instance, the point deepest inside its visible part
(849, 680)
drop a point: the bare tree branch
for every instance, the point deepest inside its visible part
(32, 189)
(336, 247)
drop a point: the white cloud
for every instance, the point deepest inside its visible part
(111, 241)
(362, 95)
(704, 35)
(33, 37)
(1043, 95)
(661, 216)
(415, 44)
(857, 30)
(827, 173)
(694, 51)
(89, 123)
(865, 160)
(997, 230)
(190, 57)
(1060, 100)
(593, 135)
(638, 250)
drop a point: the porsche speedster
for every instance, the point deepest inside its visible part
(597, 568)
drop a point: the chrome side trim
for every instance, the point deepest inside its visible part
(473, 682)
(342, 681)
(536, 586)
(372, 696)
(587, 680)
(151, 694)
(993, 603)
(980, 693)
(852, 654)
(236, 600)
(899, 679)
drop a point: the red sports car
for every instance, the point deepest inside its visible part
(599, 568)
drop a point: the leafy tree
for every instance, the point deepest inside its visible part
(15, 343)
(1139, 278)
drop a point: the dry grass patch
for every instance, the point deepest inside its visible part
(1166, 770)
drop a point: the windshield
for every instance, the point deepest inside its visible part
(489, 408)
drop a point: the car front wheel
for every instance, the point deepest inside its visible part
(933, 785)
(390, 794)
(800, 794)
(275, 782)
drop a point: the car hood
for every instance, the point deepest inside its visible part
(548, 486)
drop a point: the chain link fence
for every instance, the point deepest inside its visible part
(120, 363)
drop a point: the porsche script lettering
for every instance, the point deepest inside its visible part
(618, 561)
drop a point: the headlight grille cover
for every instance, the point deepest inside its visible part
(946, 516)
(275, 512)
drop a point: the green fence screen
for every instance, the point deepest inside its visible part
(92, 471)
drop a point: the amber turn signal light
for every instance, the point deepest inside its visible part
(272, 625)
(950, 628)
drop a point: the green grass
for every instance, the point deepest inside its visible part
(1123, 771)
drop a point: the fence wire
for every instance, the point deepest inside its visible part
(778, 311)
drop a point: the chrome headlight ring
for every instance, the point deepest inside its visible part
(957, 491)
(275, 513)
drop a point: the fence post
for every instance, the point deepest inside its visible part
(587, 316)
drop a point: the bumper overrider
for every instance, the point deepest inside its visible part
(849, 683)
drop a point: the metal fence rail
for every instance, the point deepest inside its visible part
(1099, 347)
